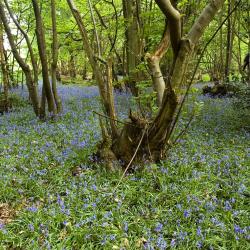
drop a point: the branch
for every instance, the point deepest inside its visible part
(164, 44)
(204, 20)
(174, 18)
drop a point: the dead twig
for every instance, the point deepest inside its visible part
(133, 157)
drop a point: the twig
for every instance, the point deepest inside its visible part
(133, 157)
(105, 116)
(184, 130)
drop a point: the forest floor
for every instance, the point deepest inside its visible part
(51, 198)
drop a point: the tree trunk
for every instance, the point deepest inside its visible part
(140, 138)
(72, 67)
(133, 44)
(154, 65)
(230, 37)
(92, 59)
(25, 67)
(155, 135)
(4, 70)
(58, 101)
(43, 57)
(29, 43)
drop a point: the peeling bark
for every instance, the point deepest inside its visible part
(154, 65)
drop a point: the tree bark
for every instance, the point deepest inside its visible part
(230, 36)
(154, 65)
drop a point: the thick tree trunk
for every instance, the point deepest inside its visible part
(158, 131)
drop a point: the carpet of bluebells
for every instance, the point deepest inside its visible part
(199, 198)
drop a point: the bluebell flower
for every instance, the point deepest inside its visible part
(173, 243)
(186, 213)
(125, 226)
(32, 209)
(227, 206)
(112, 237)
(31, 227)
(158, 227)
(199, 244)
(161, 243)
(198, 232)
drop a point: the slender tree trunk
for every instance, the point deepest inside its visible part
(95, 28)
(29, 43)
(4, 70)
(72, 67)
(26, 69)
(92, 58)
(58, 101)
(133, 44)
(43, 57)
(230, 37)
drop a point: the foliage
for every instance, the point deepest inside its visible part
(242, 103)
(197, 199)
